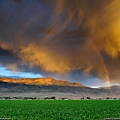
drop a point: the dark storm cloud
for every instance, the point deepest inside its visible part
(62, 37)
(14, 63)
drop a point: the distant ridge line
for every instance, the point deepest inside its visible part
(41, 81)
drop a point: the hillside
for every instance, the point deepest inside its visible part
(42, 91)
(41, 81)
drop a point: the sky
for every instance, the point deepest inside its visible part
(78, 40)
(15, 74)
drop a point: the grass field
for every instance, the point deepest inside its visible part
(59, 109)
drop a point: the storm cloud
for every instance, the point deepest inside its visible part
(78, 39)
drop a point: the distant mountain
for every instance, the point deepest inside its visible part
(41, 81)
(54, 89)
(111, 87)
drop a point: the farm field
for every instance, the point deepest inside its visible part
(59, 109)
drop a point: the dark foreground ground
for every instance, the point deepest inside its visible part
(59, 109)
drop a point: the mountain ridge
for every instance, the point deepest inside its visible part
(42, 91)
(41, 81)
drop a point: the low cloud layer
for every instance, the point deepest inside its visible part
(76, 39)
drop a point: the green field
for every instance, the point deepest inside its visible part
(59, 109)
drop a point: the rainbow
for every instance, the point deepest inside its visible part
(104, 65)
